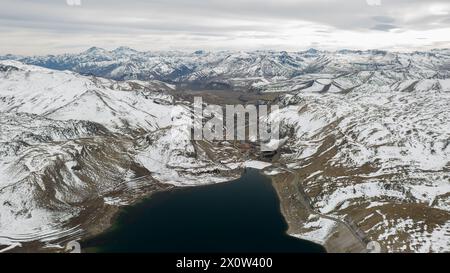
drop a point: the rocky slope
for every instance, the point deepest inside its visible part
(376, 154)
(74, 148)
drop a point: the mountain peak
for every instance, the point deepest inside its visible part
(94, 50)
(199, 52)
(312, 51)
(124, 50)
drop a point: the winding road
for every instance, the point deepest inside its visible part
(306, 202)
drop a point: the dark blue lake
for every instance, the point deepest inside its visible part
(239, 216)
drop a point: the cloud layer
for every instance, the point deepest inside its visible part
(53, 26)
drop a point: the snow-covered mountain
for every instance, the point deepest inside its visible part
(367, 156)
(72, 145)
(241, 70)
(379, 155)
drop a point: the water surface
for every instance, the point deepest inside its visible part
(239, 216)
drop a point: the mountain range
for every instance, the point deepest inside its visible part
(367, 155)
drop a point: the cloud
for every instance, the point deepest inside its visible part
(53, 26)
(385, 27)
(384, 19)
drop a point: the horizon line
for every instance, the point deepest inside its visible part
(205, 51)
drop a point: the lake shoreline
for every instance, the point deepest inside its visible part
(340, 239)
(108, 220)
(234, 185)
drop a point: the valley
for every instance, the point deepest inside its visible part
(366, 156)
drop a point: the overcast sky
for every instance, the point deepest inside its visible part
(58, 26)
